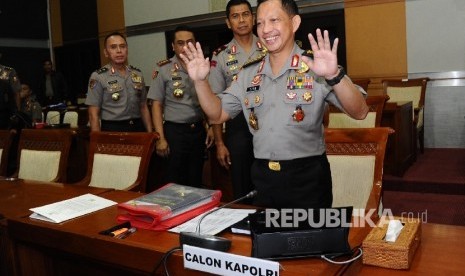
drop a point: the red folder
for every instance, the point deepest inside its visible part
(168, 206)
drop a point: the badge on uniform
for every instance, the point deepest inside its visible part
(298, 115)
(178, 93)
(92, 83)
(307, 96)
(135, 78)
(253, 120)
(115, 96)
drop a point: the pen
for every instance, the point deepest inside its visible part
(119, 232)
(126, 233)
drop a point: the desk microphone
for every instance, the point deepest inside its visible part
(210, 241)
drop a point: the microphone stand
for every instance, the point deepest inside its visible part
(210, 241)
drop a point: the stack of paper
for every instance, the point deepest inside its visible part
(71, 208)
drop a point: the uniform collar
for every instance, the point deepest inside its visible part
(292, 63)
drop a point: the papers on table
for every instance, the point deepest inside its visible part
(215, 222)
(71, 208)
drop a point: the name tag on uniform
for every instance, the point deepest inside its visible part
(253, 88)
(176, 78)
(232, 62)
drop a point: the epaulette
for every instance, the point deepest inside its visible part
(8, 69)
(254, 60)
(220, 49)
(163, 62)
(134, 68)
(102, 70)
(308, 53)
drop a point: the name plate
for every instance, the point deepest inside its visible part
(222, 263)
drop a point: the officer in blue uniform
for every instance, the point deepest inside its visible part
(283, 96)
(117, 97)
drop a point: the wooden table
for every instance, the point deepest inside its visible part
(17, 197)
(401, 145)
(76, 247)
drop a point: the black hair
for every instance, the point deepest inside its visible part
(288, 5)
(181, 28)
(236, 3)
(112, 34)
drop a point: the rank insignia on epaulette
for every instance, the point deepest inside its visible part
(254, 60)
(154, 74)
(163, 62)
(134, 68)
(308, 53)
(220, 49)
(213, 63)
(102, 70)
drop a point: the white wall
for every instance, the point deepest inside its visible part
(435, 35)
(146, 50)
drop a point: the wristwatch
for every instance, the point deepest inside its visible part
(338, 78)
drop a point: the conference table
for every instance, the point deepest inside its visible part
(75, 247)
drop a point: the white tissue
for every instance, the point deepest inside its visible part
(393, 230)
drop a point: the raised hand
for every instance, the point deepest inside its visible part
(197, 65)
(324, 61)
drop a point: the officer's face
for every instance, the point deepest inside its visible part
(275, 27)
(47, 66)
(25, 91)
(116, 49)
(240, 19)
(181, 39)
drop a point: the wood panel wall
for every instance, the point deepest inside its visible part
(376, 40)
(110, 19)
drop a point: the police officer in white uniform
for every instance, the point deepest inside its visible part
(236, 153)
(283, 97)
(117, 97)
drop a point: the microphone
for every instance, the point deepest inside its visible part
(210, 241)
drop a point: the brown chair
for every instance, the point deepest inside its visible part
(119, 160)
(356, 157)
(6, 138)
(43, 154)
(412, 90)
(335, 118)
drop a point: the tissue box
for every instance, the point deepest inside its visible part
(396, 255)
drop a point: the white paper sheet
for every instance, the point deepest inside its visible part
(71, 208)
(215, 222)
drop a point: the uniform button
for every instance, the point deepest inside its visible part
(131, 122)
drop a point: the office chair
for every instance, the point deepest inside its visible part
(43, 154)
(6, 138)
(119, 160)
(412, 90)
(356, 158)
(335, 118)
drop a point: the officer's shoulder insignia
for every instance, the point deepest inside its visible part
(254, 60)
(134, 68)
(8, 68)
(220, 49)
(163, 62)
(92, 83)
(102, 70)
(308, 53)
